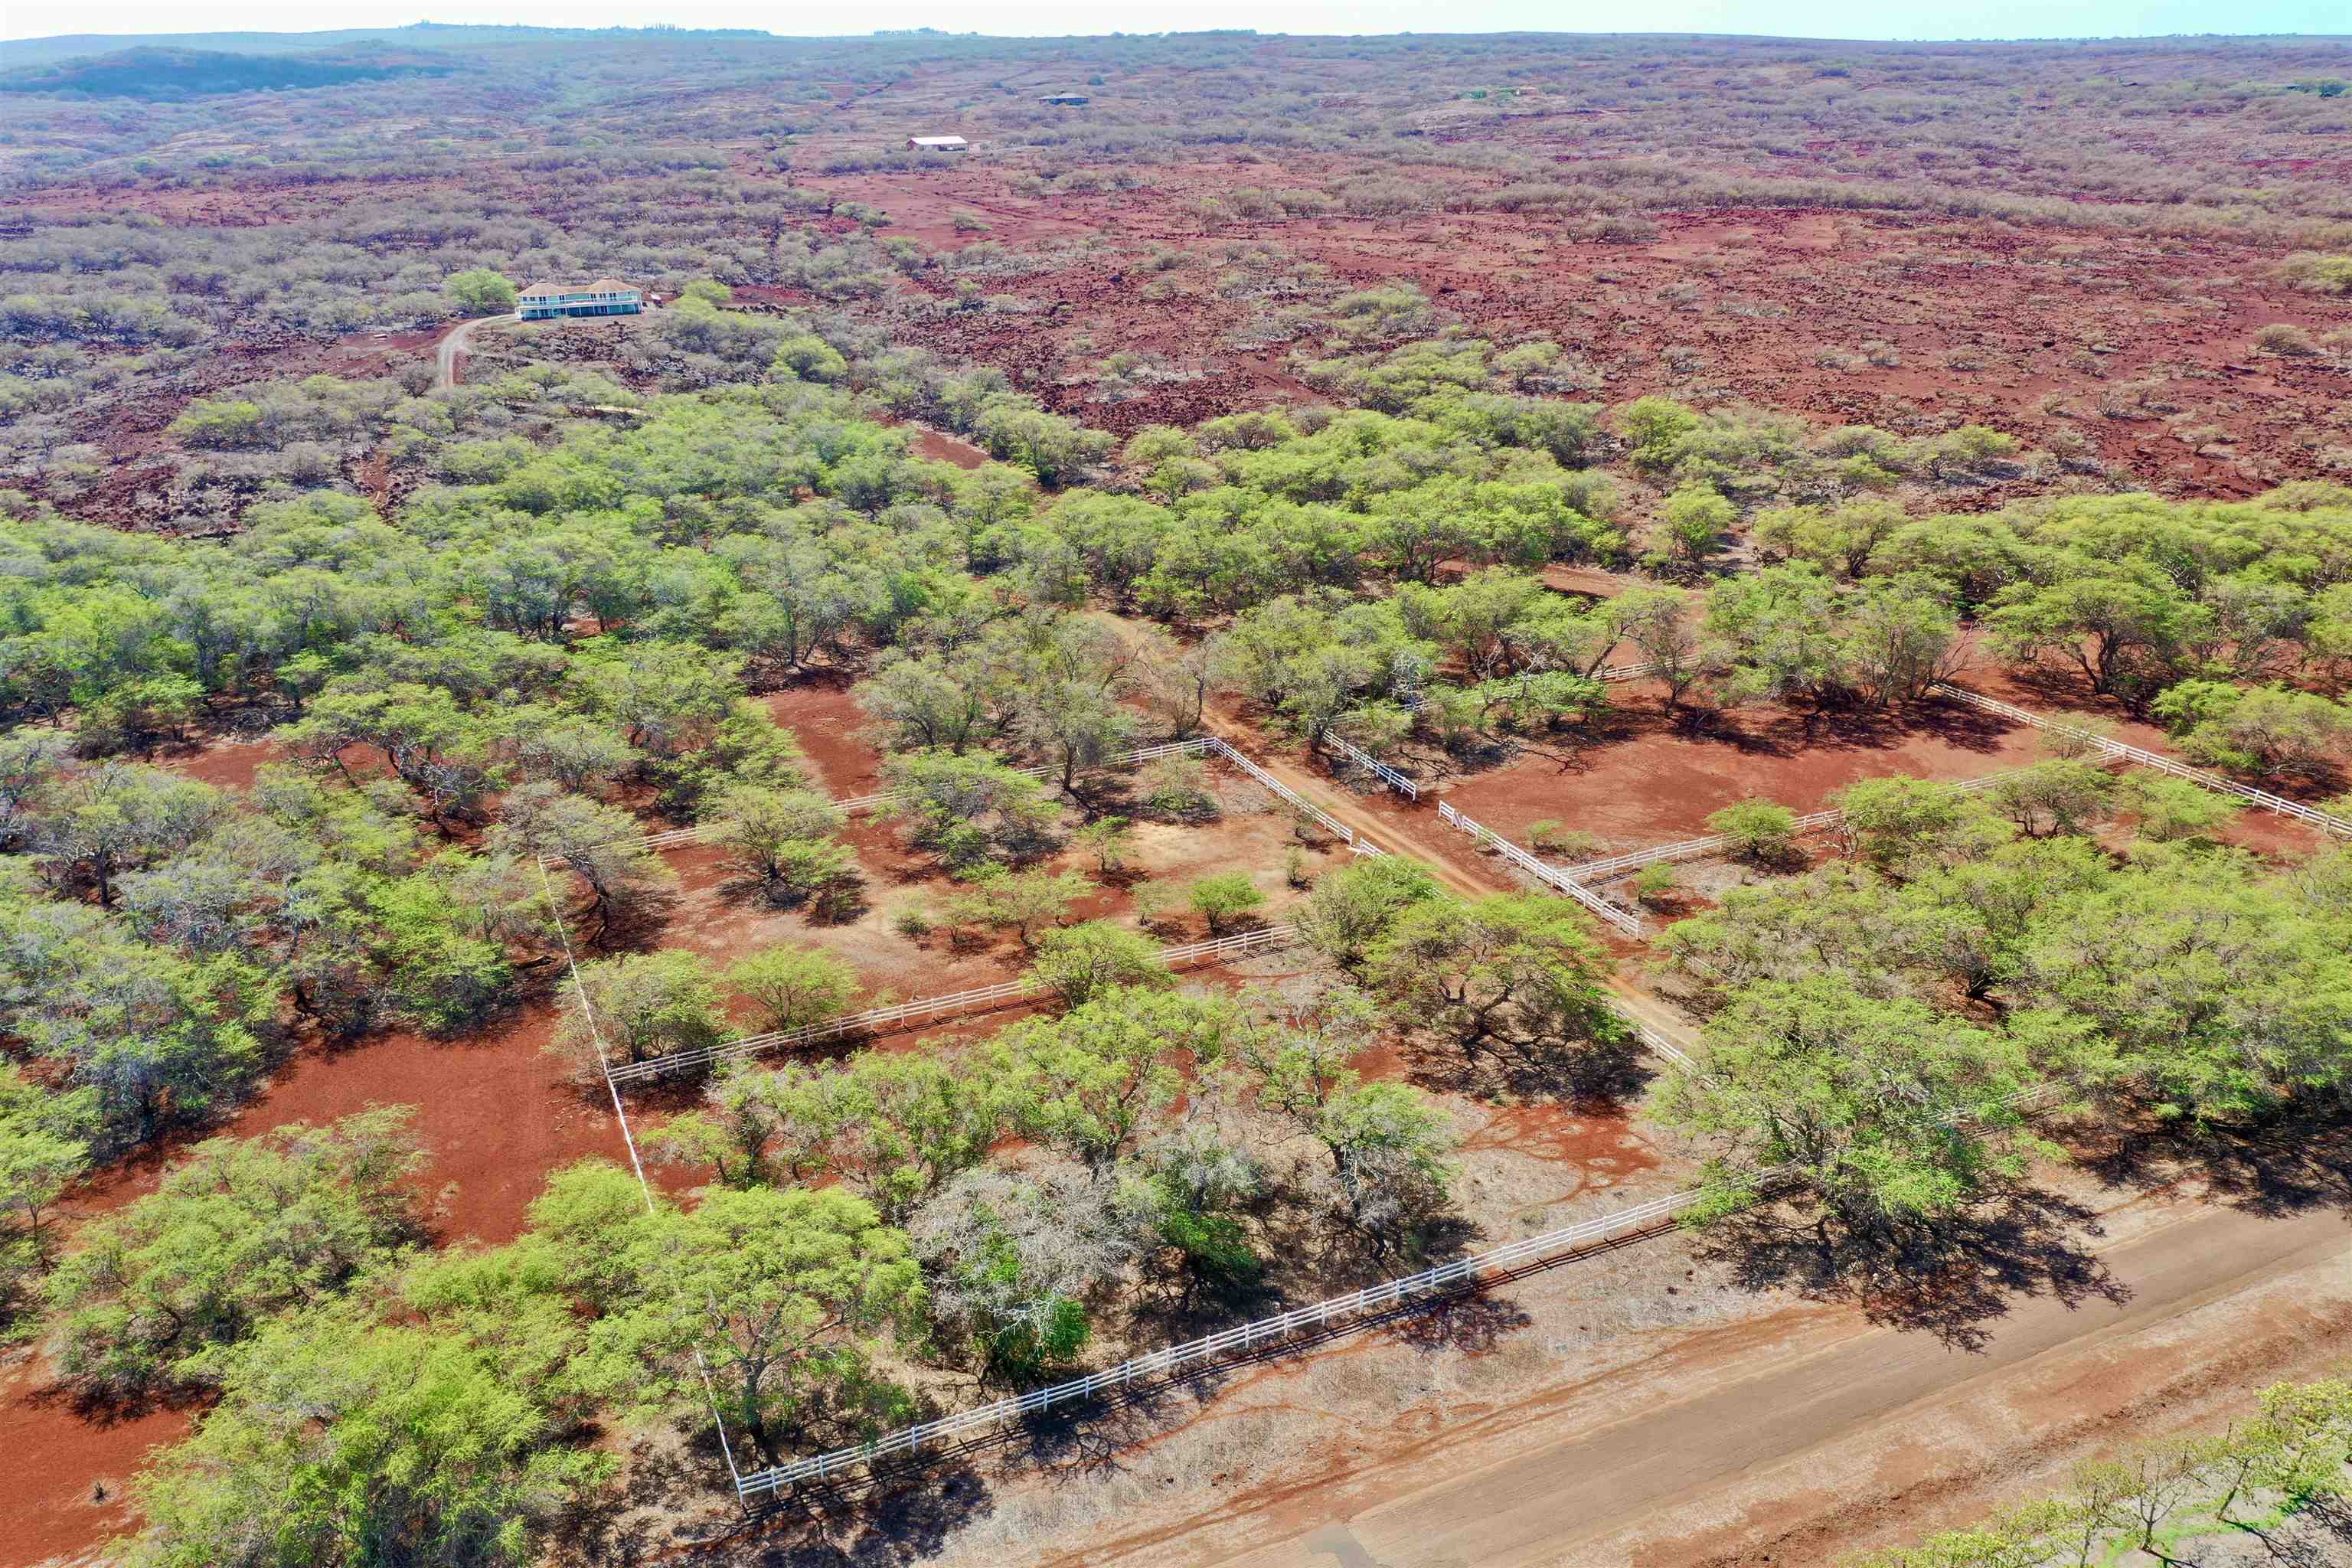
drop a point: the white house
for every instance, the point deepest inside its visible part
(604, 297)
(938, 144)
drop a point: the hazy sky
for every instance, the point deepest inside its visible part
(1806, 18)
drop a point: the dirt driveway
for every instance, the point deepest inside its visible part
(453, 343)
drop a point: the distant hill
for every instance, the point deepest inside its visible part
(75, 46)
(149, 72)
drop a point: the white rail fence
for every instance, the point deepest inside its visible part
(1243, 1337)
(1355, 755)
(1330, 824)
(896, 1012)
(2120, 751)
(1655, 1040)
(1616, 914)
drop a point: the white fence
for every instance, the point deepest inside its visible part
(1365, 760)
(1623, 918)
(924, 1007)
(1244, 1338)
(1346, 835)
(2145, 758)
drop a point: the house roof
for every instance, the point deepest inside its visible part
(557, 291)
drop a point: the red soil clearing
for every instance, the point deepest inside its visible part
(495, 1114)
(1652, 782)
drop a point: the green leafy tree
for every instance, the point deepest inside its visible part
(240, 1231)
(1695, 526)
(779, 1295)
(1352, 908)
(969, 809)
(479, 291)
(44, 1146)
(770, 832)
(2218, 993)
(2173, 809)
(95, 823)
(1225, 897)
(1089, 1080)
(601, 845)
(794, 988)
(1081, 962)
(1514, 971)
(641, 1006)
(340, 1441)
(892, 1127)
(2054, 796)
(1759, 831)
(1892, 1114)
(1020, 901)
(1907, 825)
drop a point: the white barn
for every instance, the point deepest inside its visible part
(938, 144)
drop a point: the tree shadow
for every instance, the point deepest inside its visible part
(634, 925)
(1596, 1076)
(1953, 1277)
(2294, 1162)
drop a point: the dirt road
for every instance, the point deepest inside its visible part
(453, 343)
(1806, 1424)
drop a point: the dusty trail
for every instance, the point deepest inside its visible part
(1807, 1424)
(453, 343)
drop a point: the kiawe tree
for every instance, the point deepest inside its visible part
(781, 1295)
(1891, 1114)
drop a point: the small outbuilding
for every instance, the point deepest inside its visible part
(938, 144)
(1065, 99)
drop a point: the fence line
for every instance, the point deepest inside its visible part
(1242, 1337)
(901, 1011)
(1623, 918)
(1248, 1336)
(1654, 1039)
(1363, 758)
(629, 1140)
(2145, 758)
(1332, 824)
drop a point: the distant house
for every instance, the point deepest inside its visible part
(1066, 100)
(604, 297)
(938, 144)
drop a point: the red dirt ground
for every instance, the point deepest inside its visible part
(2005, 325)
(495, 1113)
(1651, 782)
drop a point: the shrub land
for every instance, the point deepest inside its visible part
(956, 584)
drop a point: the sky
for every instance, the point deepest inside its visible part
(1802, 18)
